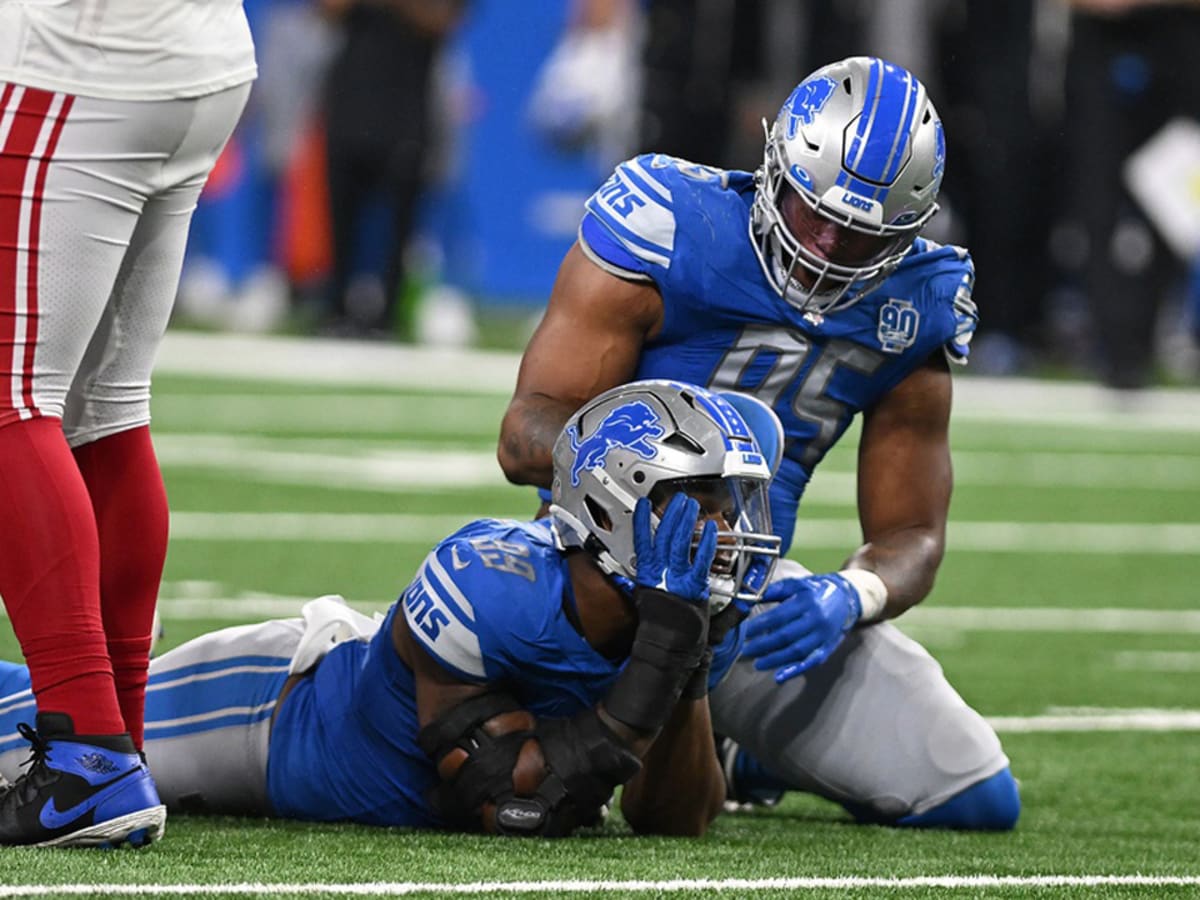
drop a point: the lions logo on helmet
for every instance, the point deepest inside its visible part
(806, 101)
(630, 427)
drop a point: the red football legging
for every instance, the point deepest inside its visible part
(50, 575)
(130, 504)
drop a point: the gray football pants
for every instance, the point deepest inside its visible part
(877, 725)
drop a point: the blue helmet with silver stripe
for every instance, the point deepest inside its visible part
(851, 172)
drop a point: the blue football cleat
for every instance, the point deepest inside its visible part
(747, 784)
(80, 791)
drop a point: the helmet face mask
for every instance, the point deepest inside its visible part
(741, 510)
(851, 171)
(652, 439)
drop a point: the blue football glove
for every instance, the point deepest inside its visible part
(813, 615)
(664, 555)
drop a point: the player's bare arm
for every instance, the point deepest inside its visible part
(680, 789)
(904, 485)
(437, 690)
(588, 341)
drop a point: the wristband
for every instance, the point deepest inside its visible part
(872, 593)
(668, 645)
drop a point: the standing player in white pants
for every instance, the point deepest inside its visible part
(112, 115)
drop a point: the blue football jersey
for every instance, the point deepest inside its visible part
(686, 228)
(488, 605)
(344, 742)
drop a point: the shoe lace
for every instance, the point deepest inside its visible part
(26, 787)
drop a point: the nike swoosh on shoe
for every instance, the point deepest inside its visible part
(51, 818)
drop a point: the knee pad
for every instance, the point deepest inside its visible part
(989, 805)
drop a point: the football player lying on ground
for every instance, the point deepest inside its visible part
(527, 670)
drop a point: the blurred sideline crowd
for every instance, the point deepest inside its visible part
(1073, 177)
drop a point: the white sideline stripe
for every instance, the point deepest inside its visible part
(1126, 538)
(404, 888)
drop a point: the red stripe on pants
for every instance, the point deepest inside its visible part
(35, 247)
(15, 157)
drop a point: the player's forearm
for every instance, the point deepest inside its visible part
(680, 789)
(527, 435)
(907, 560)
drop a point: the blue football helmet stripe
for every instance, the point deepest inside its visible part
(880, 143)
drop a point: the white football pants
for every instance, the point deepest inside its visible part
(96, 197)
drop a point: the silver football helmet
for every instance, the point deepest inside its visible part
(653, 439)
(851, 172)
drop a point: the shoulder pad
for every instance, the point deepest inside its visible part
(637, 206)
(439, 611)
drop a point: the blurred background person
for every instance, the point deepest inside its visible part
(1129, 72)
(377, 120)
(585, 92)
(994, 62)
(699, 59)
(260, 231)
(995, 65)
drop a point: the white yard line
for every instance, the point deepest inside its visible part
(334, 528)
(331, 362)
(398, 464)
(1111, 720)
(1057, 620)
(326, 464)
(357, 413)
(1133, 471)
(326, 362)
(213, 600)
(492, 888)
(192, 600)
(1088, 538)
